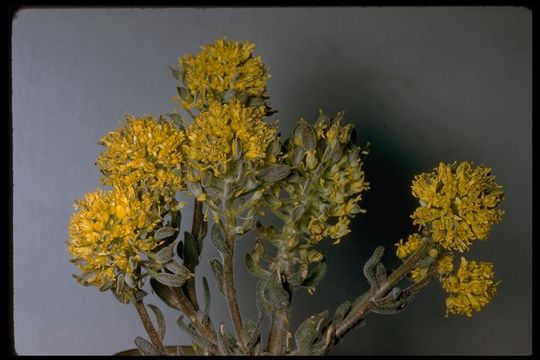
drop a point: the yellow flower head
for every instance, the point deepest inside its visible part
(413, 243)
(226, 132)
(143, 152)
(107, 233)
(457, 203)
(471, 288)
(219, 67)
(445, 265)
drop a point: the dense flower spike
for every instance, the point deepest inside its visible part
(332, 165)
(226, 132)
(107, 234)
(457, 203)
(143, 152)
(221, 66)
(471, 288)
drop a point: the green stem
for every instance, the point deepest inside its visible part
(149, 327)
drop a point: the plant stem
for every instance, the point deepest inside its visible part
(198, 218)
(149, 327)
(278, 331)
(230, 293)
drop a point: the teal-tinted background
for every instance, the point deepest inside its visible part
(422, 85)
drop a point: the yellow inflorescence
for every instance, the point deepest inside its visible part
(107, 233)
(144, 152)
(219, 67)
(225, 132)
(339, 188)
(471, 288)
(457, 203)
(413, 243)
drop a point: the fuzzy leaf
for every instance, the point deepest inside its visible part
(274, 292)
(308, 331)
(177, 268)
(206, 309)
(164, 232)
(275, 173)
(263, 305)
(177, 74)
(138, 295)
(369, 266)
(160, 320)
(195, 336)
(297, 212)
(219, 240)
(253, 266)
(204, 230)
(191, 251)
(222, 344)
(217, 269)
(342, 311)
(166, 294)
(298, 155)
(145, 347)
(165, 254)
(306, 134)
(171, 279)
(315, 275)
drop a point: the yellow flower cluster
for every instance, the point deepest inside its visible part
(144, 152)
(471, 288)
(338, 189)
(219, 67)
(412, 244)
(107, 233)
(226, 132)
(457, 204)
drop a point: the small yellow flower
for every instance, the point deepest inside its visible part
(413, 243)
(213, 137)
(219, 67)
(458, 203)
(417, 274)
(445, 265)
(471, 288)
(107, 233)
(143, 153)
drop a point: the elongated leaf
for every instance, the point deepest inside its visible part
(204, 230)
(207, 298)
(177, 74)
(166, 294)
(253, 266)
(195, 336)
(177, 268)
(275, 173)
(164, 232)
(219, 240)
(308, 331)
(160, 320)
(342, 311)
(274, 292)
(145, 347)
(306, 133)
(264, 306)
(222, 343)
(171, 279)
(370, 265)
(138, 295)
(217, 269)
(165, 254)
(191, 251)
(315, 275)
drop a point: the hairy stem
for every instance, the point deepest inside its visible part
(279, 332)
(198, 218)
(149, 327)
(230, 293)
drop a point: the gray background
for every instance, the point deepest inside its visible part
(421, 84)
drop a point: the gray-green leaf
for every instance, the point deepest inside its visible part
(145, 347)
(191, 251)
(177, 268)
(274, 292)
(217, 269)
(160, 320)
(308, 331)
(275, 173)
(218, 238)
(166, 294)
(171, 279)
(315, 275)
(164, 232)
(165, 254)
